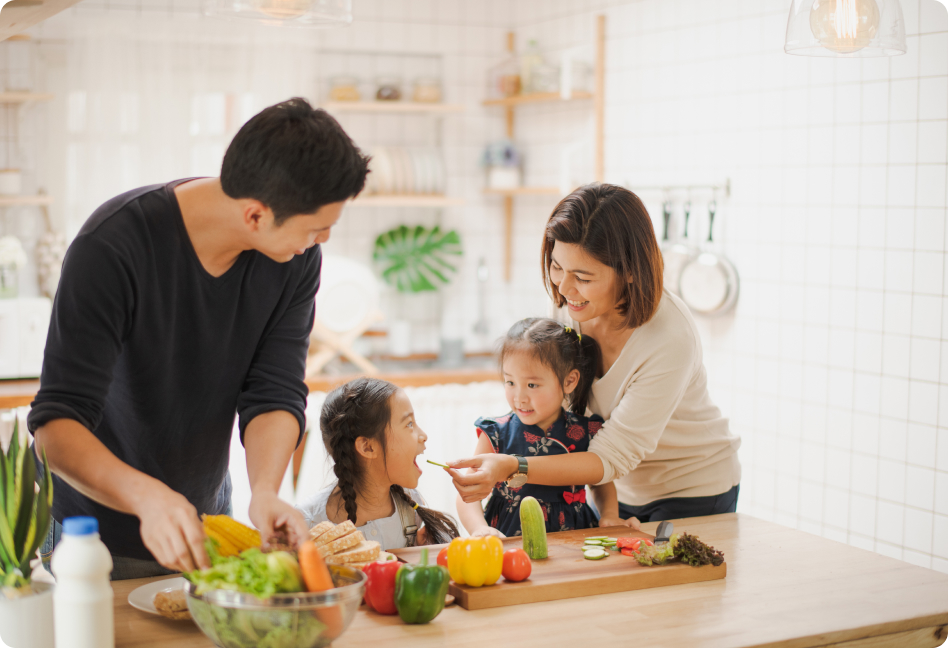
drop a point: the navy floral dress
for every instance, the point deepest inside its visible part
(564, 507)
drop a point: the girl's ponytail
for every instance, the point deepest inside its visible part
(441, 528)
(589, 363)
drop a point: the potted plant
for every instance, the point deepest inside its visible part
(12, 258)
(415, 261)
(26, 607)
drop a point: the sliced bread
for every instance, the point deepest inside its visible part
(335, 533)
(365, 551)
(339, 545)
(320, 529)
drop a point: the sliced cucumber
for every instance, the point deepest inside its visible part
(612, 540)
(594, 554)
(594, 543)
(597, 537)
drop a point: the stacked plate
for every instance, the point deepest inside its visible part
(399, 170)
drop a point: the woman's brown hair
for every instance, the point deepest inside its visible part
(361, 408)
(611, 225)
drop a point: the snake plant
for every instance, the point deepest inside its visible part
(416, 259)
(24, 514)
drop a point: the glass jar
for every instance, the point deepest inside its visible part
(388, 88)
(426, 90)
(344, 88)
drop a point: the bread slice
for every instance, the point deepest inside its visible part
(335, 533)
(384, 556)
(339, 545)
(172, 603)
(320, 529)
(366, 551)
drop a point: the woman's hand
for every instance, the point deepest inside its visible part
(632, 522)
(484, 472)
(485, 531)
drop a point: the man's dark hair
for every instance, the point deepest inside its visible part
(294, 159)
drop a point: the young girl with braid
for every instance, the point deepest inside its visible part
(544, 364)
(369, 430)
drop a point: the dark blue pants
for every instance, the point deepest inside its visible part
(675, 508)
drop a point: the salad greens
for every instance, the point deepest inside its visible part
(236, 628)
(252, 572)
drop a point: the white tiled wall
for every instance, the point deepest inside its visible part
(833, 367)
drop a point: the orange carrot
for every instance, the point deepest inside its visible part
(317, 578)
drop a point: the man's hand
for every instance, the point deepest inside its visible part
(172, 531)
(272, 515)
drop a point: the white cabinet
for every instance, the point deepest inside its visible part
(23, 325)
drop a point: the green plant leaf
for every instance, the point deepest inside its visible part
(13, 453)
(26, 487)
(416, 259)
(6, 539)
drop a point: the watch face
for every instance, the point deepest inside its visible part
(517, 481)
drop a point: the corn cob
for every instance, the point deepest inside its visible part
(232, 536)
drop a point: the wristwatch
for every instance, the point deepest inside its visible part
(519, 478)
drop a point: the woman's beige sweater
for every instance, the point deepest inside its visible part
(663, 437)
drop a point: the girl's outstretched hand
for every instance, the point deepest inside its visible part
(487, 531)
(484, 471)
(617, 521)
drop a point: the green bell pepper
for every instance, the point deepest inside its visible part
(420, 590)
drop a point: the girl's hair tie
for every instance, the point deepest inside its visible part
(578, 334)
(415, 507)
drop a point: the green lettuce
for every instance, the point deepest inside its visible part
(252, 572)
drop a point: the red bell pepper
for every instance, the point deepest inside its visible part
(380, 587)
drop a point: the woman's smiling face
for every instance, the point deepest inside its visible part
(588, 285)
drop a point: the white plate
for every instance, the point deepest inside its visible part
(143, 598)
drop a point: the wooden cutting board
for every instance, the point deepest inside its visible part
(567, 574)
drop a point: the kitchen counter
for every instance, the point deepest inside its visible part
(783, 588)
(18, 393)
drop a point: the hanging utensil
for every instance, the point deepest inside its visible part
(676, 255)
(709, 282)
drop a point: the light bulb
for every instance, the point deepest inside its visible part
(844, 26)
(283, 9)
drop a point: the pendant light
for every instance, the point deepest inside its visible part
(285, 13)
(845, 28)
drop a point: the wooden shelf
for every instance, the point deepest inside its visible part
(23, 97)
(9, 201)
(392, 107)
(406, 200)
(509, 104)
(536, 97)
(525, 191)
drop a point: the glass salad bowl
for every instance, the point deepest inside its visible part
(297, 620)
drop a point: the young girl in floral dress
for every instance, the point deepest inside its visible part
(544, 364)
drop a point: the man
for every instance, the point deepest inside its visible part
(179, 305)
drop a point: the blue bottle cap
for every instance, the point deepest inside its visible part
(80, 526)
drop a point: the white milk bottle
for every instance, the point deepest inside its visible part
(82, 599)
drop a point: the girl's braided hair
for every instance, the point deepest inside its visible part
(560, 348)
(360, 408)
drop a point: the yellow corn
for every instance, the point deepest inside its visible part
(233, 536)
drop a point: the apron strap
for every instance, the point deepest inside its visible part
(407, 515)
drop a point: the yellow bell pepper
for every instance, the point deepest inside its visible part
(476, 561)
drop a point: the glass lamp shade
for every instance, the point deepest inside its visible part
(285, 13)
(845, 28)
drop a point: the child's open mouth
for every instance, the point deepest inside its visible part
(417, 467)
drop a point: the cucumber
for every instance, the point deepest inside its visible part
(534, 528)
(592, 542)
(596, 537)
(612, 540)
(594, 554)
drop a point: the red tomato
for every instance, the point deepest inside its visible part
(621, 543)
(647, 541)
(517, 565)
(443, 557)
(626, 551)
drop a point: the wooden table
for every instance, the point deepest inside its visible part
(783, 588)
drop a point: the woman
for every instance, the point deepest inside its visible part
(664, 442)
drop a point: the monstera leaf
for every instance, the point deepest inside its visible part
(415, 259)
